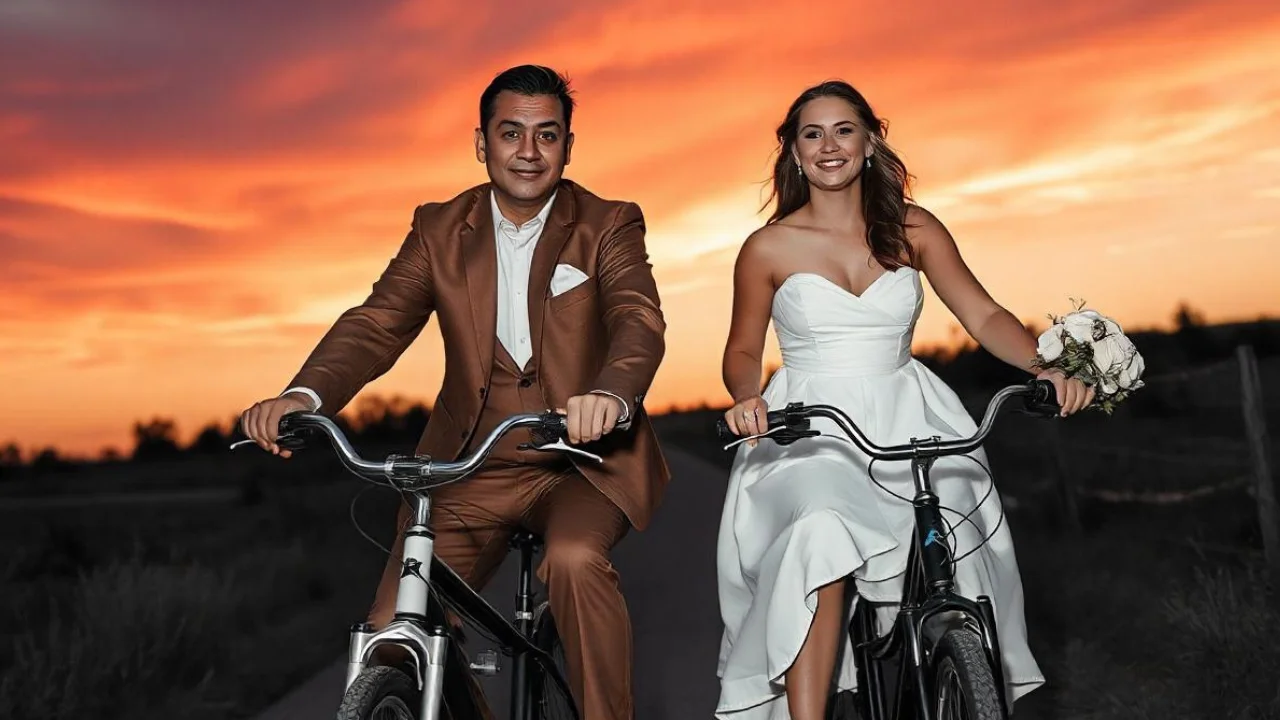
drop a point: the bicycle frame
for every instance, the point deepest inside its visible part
(427, 585)
(421, 629)
(929, 608)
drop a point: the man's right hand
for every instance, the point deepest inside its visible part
(261, 423)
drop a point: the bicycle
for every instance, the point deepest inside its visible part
(952, 665)
(433, 683)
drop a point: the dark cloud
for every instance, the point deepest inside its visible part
(151, 78)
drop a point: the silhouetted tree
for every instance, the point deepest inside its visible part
(1193, 337)
(394, 421)
(210, 440)
(10, 461)
(47, 460)
(155, 439)
(11, 455)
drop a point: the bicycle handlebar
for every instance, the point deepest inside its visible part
(792, 423)
(420, 472)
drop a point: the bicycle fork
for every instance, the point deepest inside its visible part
(408, 629)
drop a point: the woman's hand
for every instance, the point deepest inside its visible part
(1073, 394)
(748, 417)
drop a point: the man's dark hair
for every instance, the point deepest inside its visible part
(531, 80)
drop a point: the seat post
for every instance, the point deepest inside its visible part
(524, 588)
(527, 543)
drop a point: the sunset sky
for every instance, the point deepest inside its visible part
(190, 193)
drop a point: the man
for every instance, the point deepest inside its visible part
(545, 299)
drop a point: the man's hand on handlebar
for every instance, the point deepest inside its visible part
(261, 423)
(590, 416)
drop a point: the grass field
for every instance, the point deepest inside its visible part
(193, 610)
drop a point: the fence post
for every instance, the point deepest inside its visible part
(1066, 483)
(1255, 425)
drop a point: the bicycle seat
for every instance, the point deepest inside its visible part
(526, 538)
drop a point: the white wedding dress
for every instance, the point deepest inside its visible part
(801, 516)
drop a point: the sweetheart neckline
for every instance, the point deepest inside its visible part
(828, 281)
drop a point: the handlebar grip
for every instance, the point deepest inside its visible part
(290, 432)
(552, 427)
(723, 432)
(288, 423)
(1043, 398)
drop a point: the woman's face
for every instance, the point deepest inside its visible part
(831, 145)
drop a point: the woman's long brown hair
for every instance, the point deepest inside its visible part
(885, 185)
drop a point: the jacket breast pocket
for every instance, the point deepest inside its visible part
(573, 300)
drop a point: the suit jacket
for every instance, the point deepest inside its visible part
(604, 334)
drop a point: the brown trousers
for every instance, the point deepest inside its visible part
(473, 522)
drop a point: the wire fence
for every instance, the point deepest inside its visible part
(1200, 432)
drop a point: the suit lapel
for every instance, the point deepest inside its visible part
(481, 258)
(550, 244)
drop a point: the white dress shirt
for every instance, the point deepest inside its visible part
(515, 255)
(515, 245)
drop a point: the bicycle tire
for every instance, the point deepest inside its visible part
(378, 690)
(962, 681)
(548, 701)
(380, 684)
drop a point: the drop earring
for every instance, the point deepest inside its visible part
(868, 162)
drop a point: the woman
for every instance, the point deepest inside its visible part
(837, 268)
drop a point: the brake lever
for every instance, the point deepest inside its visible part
(560, 446)
(781, 435)
(745, 438)
(286, 441)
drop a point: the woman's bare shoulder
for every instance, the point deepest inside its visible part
(765, 243)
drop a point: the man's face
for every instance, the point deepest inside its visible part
(525, 148)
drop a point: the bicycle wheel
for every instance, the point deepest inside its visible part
(963, 685)
(381, 693)
(548, 700)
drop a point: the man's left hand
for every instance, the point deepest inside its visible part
(590, 416)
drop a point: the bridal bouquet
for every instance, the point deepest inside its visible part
(1090, 346)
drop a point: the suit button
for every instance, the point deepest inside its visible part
(525, 382)
(482, 391)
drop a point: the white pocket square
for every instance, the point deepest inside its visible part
(566, 278)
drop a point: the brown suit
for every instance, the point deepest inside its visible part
(604, 334)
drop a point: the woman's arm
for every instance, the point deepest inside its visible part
(987, 322)
(744, 350)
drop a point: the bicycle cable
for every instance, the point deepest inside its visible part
(356, 522)
(964, 517)
(461, 613)
(999, 519)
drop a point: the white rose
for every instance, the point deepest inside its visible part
(1130, 374)
(1079, 324)
(1049, 344)
(1107, 353)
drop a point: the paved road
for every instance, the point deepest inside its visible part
(668, 576)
